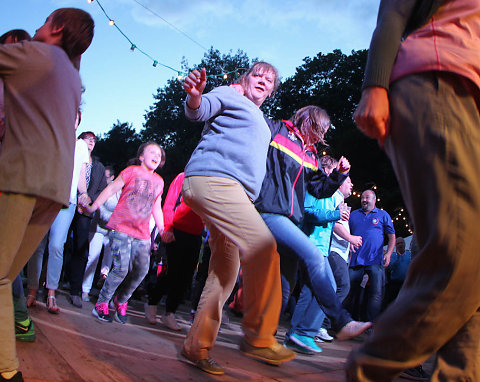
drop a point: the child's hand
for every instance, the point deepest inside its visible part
(195, 83)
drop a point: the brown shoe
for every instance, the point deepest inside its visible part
(274, 355)
(352, 330)
(208, 365)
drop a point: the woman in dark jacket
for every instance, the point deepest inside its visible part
(292, 167)
(96, 182)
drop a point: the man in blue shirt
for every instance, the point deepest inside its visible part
(397, 270)
(371, 224)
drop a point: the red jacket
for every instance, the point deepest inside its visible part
(176, 214)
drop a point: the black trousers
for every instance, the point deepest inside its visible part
(182, 258)
(78, 262)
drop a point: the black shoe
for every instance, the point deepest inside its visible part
(16, 378)
(76, 301)
(415, 374)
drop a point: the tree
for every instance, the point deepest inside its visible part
(117, 146)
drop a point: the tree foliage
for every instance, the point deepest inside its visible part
(118, 146)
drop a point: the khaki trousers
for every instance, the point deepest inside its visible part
(435, 150)
(238, 236)
(24, 221)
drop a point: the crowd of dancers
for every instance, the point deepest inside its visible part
(270, 205)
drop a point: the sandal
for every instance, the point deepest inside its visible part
(31, 301)
(52, 305)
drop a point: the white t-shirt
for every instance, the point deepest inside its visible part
(81, 157)
(339, 245)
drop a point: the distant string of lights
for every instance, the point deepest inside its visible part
(133, 46)
(402, 218)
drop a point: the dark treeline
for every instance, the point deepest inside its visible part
(332, 81)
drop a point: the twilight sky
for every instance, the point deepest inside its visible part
(120, 83)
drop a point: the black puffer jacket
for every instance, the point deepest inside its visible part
(291, 167)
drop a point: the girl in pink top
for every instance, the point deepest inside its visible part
(130, 237)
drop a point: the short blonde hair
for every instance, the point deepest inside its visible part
(261, 67)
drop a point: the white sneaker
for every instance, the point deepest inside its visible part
(151, 313)
(170, 322)
(85, 297)
(324, 336)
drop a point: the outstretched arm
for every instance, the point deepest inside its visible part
(194, 85)
(108, 191)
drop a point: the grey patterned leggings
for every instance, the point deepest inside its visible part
(131, 260)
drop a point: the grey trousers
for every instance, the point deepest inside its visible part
(434, 147)
(131, 259)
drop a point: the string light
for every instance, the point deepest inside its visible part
(399, 217)
(155, 62)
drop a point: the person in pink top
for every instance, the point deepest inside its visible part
(421, 99)
(141, 197)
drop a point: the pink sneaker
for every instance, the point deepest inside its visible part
(121, 312)
(101, 312)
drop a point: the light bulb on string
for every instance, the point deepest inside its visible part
(111, 22)
(89, 1)
(179, 77)
(155, 63)
(225, 76)
(132, 48)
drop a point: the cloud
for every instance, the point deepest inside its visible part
(198, 14)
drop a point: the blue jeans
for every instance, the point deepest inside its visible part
(57, 238)
(308, 316)
(293, 244)
(19, 302)
(376, 280)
